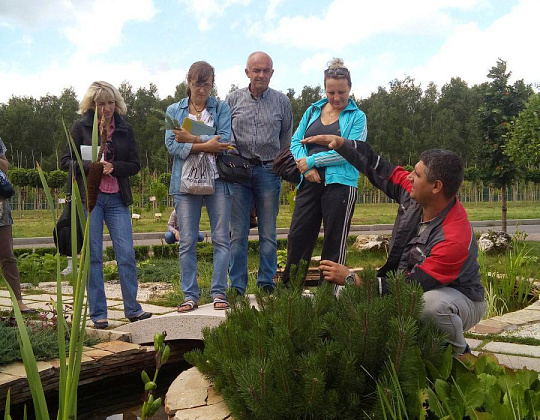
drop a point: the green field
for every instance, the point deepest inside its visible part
(36, 223)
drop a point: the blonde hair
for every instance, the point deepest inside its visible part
(337, 70)
(102, 90)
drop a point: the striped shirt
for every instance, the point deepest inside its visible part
(261, 126)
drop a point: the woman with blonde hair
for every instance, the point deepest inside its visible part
(120, 161)
(327, 190)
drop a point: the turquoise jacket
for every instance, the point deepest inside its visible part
(221, 113)
(352, 125)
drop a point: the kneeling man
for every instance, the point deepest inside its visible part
(433, 242)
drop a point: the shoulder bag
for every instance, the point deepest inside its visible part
(6, 189)
(233, 167)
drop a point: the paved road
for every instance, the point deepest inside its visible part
(529, 226)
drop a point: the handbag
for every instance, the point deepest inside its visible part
(233, 167)
(6, 189)
(284, 165)
(197, 175)
(62, 230)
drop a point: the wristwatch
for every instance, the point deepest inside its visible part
(351, 278)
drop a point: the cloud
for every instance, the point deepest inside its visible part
(207, 11)
(99, 28)
(31, 14)
(469, 52)
(233, 75)
(271, 9)
(347, 22)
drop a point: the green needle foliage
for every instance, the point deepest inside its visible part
(301, 357)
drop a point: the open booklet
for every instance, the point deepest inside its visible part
(198, 128)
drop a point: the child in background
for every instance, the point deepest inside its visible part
(173, 235)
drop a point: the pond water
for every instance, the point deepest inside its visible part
(116, 398)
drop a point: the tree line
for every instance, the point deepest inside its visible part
(481, 122)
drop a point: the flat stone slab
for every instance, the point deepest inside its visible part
(17, 368)
(179, 326)
(490, 326)
(519, 362)
(191, 396)
(512, 348)
(520, 317)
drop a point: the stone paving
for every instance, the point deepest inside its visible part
(523, 323)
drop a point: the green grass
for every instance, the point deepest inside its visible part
(44, 343)
(37, 223)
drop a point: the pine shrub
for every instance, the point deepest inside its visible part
(301, 357)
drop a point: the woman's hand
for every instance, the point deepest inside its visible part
(108, 167)
(181, 135)
(313, 176)
(333, 142)
(302, 165)
(214, 146)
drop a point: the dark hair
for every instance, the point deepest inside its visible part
(445, 166)
(336, 70)
(199, 72)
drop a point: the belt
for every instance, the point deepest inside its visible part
(257, 162)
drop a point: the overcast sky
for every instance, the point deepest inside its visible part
(48, 45)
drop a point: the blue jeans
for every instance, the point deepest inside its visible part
(263, 189)
(188, 210)
(171, 239)
(111, 210)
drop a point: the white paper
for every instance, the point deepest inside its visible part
(86, 152)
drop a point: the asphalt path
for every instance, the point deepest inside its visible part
(529, 226)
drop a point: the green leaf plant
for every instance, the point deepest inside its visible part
(151, 405)
(69, 372)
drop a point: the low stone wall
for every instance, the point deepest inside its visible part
(104, 360)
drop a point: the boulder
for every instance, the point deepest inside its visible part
(366, 242)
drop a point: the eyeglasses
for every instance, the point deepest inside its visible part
(205, 86)
(337, 71)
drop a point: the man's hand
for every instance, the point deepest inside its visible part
(177, 235)
(313, 176)
(333, 142)
(333, 272)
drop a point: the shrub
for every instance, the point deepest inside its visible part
(45, 251)
(300, 357)
(165, 251)
(21, 251)
(142, 252)
(109, 253)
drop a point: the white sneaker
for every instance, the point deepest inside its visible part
(66, 271)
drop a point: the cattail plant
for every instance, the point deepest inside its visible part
(96, 168)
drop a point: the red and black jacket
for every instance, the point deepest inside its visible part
(444, 253)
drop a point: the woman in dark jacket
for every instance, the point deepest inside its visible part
(120, 161)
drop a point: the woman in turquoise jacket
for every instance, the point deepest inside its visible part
(181, 143)
(328, 187)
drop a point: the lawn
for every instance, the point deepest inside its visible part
(35, 223)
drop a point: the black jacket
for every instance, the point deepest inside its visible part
(445, 253)
(125, 160)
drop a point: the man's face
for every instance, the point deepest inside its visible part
(259, 71)
(422, 189)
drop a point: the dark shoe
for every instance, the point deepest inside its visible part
(235, 291)
(144, 315)
(29, 312)
(101, 325)
(267, 289)
(467, 350)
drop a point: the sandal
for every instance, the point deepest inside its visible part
(223, 301)
(189, 306)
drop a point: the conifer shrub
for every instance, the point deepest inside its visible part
(302, 357)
